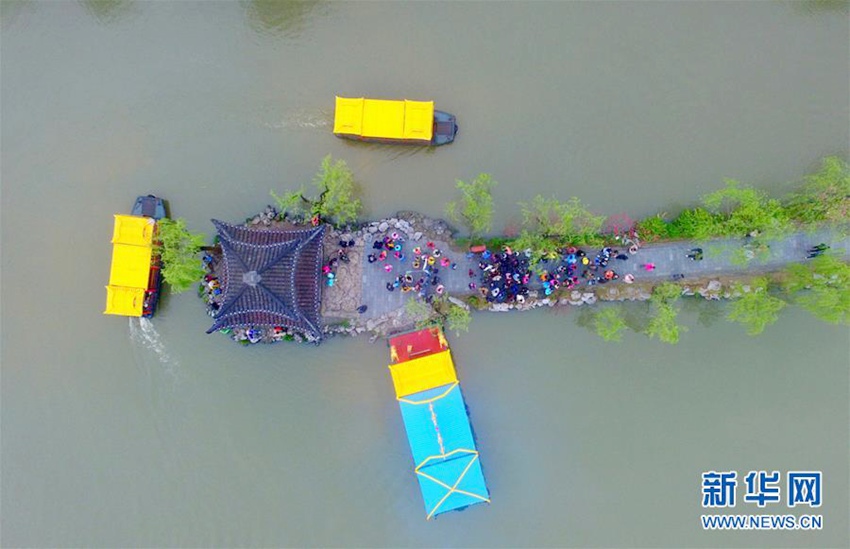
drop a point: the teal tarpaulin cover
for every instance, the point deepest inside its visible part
(444, 451)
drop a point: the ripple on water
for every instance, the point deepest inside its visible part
(306, 119)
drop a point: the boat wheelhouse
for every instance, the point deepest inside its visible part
(149, 206)
(435, 417)
(393, 121)
(135, 275)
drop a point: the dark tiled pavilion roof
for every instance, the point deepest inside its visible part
(270, 278)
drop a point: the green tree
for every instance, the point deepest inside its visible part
(420, 312)
(568, 221)
(452, 316)
(179, 247)
(539, 245)
(441, 311)
(292, 204)
(744, 210)
(609, 322)
(755, 309)
(755, 250)
(337, 201)
(666, 292)
(696, 223)
(653, 228)
(541, 216)
(474, 209)
(822, 287)
(825, 195)
(663, 323)
(457, 319)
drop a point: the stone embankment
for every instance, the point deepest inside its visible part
(711, 289)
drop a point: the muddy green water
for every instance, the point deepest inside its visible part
(118, 433)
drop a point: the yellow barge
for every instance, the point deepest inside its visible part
(393, 121)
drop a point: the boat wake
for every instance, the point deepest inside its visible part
(302, 119)
(143, 333)
(168, 396)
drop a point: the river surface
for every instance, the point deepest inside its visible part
(128, 433)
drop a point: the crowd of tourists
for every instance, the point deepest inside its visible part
(417, 269)
(502, 277)
(505, 277)
(330, 265)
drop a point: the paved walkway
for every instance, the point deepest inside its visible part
(374, 280)
(719, 256)
(361, 283)
(341, 300)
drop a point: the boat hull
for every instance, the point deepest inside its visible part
(154, 288)
(445, 130)
(151, 206)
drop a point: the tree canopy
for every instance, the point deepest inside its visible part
(696, 223)
(822, 286)
(438, 311)
(739, 210)
(570, 221)
(292, 204)
(756, 309)
(337, 201)
(653, 228)
(179, 247)
(457, 318)
(609, 322)
(549, 224)
(663, 323)
(474, 209)
(744, 210)
(825, 195)
(539, 245)
(420, 312)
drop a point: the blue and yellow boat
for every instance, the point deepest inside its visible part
(445, 456)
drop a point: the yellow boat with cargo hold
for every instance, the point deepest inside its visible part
(393, 121)
(135, 274)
